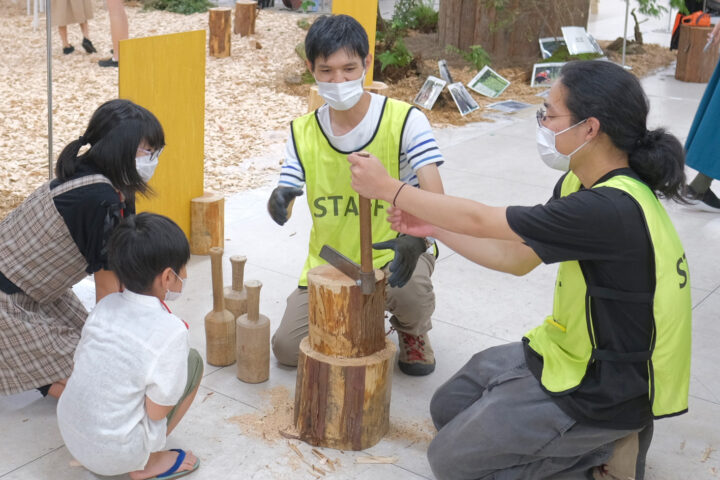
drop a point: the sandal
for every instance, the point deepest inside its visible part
(172, 471)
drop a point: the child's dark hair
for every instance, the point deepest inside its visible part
(328, 34)
(614, 96)
(115, 131)
(143, 246)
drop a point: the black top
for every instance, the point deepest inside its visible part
(604, 229)
(91, 213)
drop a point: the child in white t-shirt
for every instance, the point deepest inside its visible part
(134, 375)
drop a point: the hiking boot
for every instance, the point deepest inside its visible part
(705, 202)
(88, 46)
(416, 354)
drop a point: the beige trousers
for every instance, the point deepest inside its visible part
(411, 307)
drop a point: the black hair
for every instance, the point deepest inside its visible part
(142, 246)
(330, 33)
(614, 96)
(115, 131)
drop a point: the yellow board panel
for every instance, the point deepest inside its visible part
(365, 12)
(166, 75)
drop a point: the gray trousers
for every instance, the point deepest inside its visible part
(411, 307)
(494, 421)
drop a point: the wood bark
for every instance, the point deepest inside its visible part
(343, 403)
(253, 339)
(510, 32)
(219, 323)
(207, 223)
(245, 15)
(342, 321)
(694, 65)
(220, 26)
(235, 294)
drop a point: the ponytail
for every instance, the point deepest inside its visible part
(659, 160)
(68, 161)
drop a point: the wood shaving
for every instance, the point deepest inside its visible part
(268, 423)
(377, 459)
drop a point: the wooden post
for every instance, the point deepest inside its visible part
(245, 15)
(509, 34)
(219, 323)
(235, 294)
(694, 65)
(253, 339)
(207, 223)
(344, 379)
(220, 25)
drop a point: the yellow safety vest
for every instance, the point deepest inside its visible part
(566, 340)
(333, 203)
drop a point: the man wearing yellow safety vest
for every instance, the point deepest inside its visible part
(316, 154)
(577, 397)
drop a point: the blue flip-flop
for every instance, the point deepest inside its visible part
(172, 472)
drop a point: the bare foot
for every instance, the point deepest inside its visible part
(160, 462)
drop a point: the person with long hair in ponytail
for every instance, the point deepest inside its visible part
(59, 235)
(576, 398)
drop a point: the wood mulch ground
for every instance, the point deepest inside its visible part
(250, 97)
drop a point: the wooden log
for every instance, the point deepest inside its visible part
(219, 323)
(342, 321)
(510, 34)
(253, 339)
(343, 403)
(235, 294)
(694, 65)
(207, 223)
(245, 15)
(220, 26)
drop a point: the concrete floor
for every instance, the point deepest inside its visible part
(496, 163)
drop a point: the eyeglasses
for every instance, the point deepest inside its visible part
(542, 115)
(153, 155)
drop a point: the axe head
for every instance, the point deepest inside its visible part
(365, 280)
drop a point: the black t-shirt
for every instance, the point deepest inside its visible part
(91, 213)
(604, 229)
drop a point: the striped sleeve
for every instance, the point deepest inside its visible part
(291, 172)
(419, 147)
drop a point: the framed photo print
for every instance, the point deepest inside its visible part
(488, 82)
(445, 72)
(429, 92)
(463, 100)
(548, 45)
(544, 74)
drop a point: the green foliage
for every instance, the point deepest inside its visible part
(307, 77)
(475, 55)
(303, 24)
(178, 6)
(563, 55)
(415, 15)
(397, 56)
(306, 5)
(655, 9)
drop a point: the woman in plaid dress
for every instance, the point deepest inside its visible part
(59, 234)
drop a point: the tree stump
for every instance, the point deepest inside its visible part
(694, 65)
(245, 15)
(207, 223)
(345, 365)
(220, 25)
(510, 33)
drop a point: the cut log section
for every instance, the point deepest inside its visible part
(220, 26)
(694, 65)
(343, 403)
(245, 15)
(207, 223)
(342, 321)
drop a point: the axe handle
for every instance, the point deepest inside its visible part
(366, 264)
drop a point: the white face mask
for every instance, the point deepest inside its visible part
(342, 96)
(171, 296)
(147, 164)
(547, 150)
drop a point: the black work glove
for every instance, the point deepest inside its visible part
(278, 203)
(407, 251)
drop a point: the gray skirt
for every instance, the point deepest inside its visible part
(37, 340)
